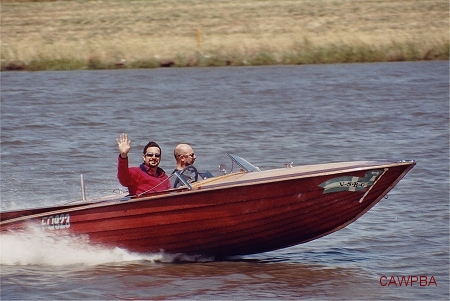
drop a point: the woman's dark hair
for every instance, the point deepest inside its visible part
(152, 144)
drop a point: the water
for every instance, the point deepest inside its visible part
(58, 125)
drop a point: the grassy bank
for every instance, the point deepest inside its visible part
(69, 35)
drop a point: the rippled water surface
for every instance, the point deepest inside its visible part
(58, 125)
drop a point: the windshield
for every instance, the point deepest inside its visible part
(244, 164)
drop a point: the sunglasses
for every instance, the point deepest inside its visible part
(188, 155)
(153, 155)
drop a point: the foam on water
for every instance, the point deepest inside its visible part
(36, 247)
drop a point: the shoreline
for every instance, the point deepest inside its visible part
(345, 54)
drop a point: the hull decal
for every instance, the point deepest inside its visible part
(351, 183)
(56, 222)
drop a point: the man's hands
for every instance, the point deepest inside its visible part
(124, 145)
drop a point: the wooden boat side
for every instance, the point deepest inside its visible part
(237, 214)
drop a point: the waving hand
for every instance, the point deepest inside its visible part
(124, 145)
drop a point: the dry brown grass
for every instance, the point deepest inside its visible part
(87, 33)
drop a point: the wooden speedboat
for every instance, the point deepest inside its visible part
(242, 212)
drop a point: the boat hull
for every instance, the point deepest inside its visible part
(237, 215)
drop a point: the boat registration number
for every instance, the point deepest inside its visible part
(56, 222)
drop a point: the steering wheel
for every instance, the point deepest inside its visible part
(189, 173)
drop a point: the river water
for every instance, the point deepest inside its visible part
(58, 125)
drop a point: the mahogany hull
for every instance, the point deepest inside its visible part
(238, 214)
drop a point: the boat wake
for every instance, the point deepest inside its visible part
(36, 247)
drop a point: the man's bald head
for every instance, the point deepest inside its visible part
(184, 155)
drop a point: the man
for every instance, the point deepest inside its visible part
(184, 155)
(146, 178)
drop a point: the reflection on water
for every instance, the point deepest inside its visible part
(219, 280)
(253, 280)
